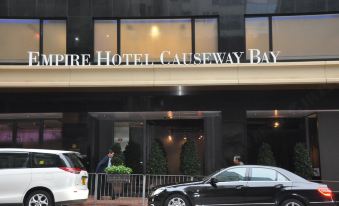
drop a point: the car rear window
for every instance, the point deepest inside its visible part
(44, 160)
(74, 160)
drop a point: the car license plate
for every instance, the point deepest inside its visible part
(83, 180)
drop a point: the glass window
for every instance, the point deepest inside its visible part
(281, 178)
(230, 175)
(74, 160)
(18, 36)
(54, 39)
(42, 160)
(105, 37)
(28, 134)
(6, 134)
(52, 134)
(263, 174)
(257, 34)
(304, 37)
(206, 35)
(13, 160)
(153, 36)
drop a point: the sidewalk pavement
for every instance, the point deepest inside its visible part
(124, 201)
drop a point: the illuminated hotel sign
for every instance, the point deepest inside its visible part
(165, 58)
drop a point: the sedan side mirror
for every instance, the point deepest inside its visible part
(214, 181)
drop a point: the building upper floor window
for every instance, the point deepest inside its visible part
(153, 36)
(296, 37)
(19, 36)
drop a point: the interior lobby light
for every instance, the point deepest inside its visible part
(276, 124)
(170, 115)
(276, 113)
(170, 139)
(155, 31)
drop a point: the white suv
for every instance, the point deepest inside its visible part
(35, 177)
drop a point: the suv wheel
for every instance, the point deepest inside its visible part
(292, 202)
(39, 198)
(177, 200)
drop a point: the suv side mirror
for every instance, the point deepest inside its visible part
(214, 181)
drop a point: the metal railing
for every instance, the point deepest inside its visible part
(138, 185)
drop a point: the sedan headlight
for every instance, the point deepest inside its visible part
(158, 191)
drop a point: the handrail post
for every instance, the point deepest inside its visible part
(96, 187)
(143, 189)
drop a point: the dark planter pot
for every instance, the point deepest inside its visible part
(118, 178)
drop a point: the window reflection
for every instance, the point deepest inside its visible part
(311, 36)
(257, 34)
(105, 37)
(28, 134)
(152, 36)
(52, 135)
(18, 36)
(6, 134)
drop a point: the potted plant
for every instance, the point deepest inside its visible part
(119, 173)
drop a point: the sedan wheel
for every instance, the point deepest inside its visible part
(176, 200)
(292, 202)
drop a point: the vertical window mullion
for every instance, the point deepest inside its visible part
(193, 36)
(270, 33)
(41, 40)
(119, 36)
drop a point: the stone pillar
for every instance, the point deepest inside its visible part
(234, 136)
(328, 132)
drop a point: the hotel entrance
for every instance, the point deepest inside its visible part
(135, 134)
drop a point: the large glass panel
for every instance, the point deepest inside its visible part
(54, 41)
(206, 35)
(262, 174)
(231, 175)
(306, 37)
(153, 36)
(28, 134)
(257, 34)
(105, 36)
(6, 134)
(17, 37)
(52, 134)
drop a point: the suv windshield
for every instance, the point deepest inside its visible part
(74, 160)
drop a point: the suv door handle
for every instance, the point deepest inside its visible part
(239, 187)
(279, 186)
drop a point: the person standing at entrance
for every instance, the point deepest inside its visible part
(104, 188)
(105, 162)
(237, 160)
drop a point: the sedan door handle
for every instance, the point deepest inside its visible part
(239, 187)
(279, 186)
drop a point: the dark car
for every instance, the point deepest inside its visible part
(245, 185)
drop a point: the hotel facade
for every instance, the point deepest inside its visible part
(121, 71)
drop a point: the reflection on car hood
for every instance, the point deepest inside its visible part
(184, 184)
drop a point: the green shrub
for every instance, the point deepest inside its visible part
(265, 156)
(190, 163)
(158, 162)
(302, 161)
(133, 157)
(118, 158)
(120, 169)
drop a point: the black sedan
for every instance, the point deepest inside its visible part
(245, 185)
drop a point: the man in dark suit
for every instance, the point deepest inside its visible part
(105, 162)
(104, 188)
